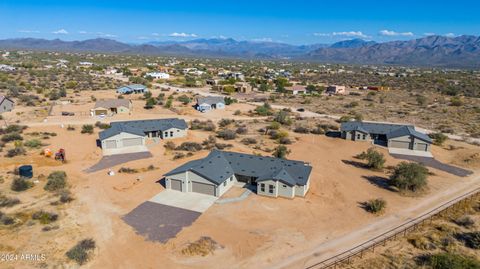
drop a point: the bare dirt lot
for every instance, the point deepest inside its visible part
(256, 232)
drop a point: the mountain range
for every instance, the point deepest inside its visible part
(437, 51)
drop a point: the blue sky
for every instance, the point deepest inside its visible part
(295, 22)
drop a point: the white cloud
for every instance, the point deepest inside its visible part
(350, 34)
(83, 32)
(393, 33)
(182, 35)
(322, 34)
(155, 34)
(29, 31)
(429, 34)
(101, 34)
(450, 35)
(263, 39)
(60, 32)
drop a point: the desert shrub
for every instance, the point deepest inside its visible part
(241, 130)
(87, 129)
(184, 99)
(472, 239)
(102, 125)
(34, 143)
(352, 104)
(57, 180)
(282, 117)
(70, 128)
(15, 152)
(281, 152)
(301, 130)
(5, 219)
(203, 247)
(230, 100)
(450, 261)
(278, 134)
(169, 145)
(456, 101)
(344, 119)
(80, 253)
(438, 138)
(209, 141)
(465, 221)
(9, 137)
(249, 141)
(421, 242)
(409, 176)
(178, 155)
(285, 141)
(318, 131)
(65, 196)
(14, 128)
(237, 112)
(375, 206)
(21, 184)
(8, 201)
(226, 134)
(375, 159)
(208, 125)
(264, 110)
(225, 122)
(222, 146)
(127, 170)
(45, 217)
(189, 146)
(274, 126)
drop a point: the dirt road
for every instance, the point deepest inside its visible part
(341, 244)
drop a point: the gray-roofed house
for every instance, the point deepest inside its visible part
(132, 88)
(387, 134)
(111, 107)
(210, 102)
(130, 136)
(216, 173)
(6, 104)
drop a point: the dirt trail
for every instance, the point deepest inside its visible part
(340, 244)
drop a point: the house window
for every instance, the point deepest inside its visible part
(358, 136)
(270, 188)
(284, 185)
(231, 178)
(364, 137)
(262, 187)
(225, 183)
(166, 134)
(171, 133)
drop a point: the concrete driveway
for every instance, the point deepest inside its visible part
(190, 201)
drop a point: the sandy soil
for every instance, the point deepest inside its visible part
(256, 232)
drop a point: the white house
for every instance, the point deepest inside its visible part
(210, 102)
(158, 75)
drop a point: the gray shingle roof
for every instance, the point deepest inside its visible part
(388, 129)
(112, 103)
(140, 127)
(3, 98)
(220, 165)
(154, 125)
(117, 129)
(210, 100)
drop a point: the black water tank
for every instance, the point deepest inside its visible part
(25, 171)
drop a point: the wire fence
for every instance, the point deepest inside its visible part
(360, 250)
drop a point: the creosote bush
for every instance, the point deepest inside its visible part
(57, 180)
(80, 253)
(375, 159)
(375, 206)
(409, 177)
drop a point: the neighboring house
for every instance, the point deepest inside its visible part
(111, 107)
(158, 75)
(216, 173)
(6, 104)
(296, 89)
(7, 68)
(133, 88)
(336, 89)
(211, 82)
(210, 102)
(243, 87)
(390, 135)
(125, 136)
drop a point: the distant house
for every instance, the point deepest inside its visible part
(243, 87)
(132, 88)
(211, 82)
(335, 90)
(6, 68)
(210, 102)
(158, 75)
(111, 106)
(390, 135)
(296, 89)
(88, 64)
(6, 104)
(220, 170)
(378, 88)
(130, 136)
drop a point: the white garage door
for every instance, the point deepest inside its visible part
(399, 144)
(111, 144)
(175, 184)
(421, 146)
(129, 142)
(203, 188)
